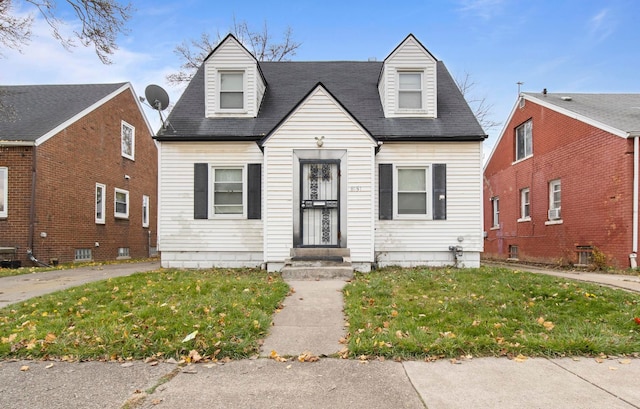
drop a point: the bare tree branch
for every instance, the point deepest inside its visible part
(101, 22)
(192, 53)
(13, 30)
(479, 105)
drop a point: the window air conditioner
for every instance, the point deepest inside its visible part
(554, 214)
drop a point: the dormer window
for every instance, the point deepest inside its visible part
(410, 90)
(232, 90)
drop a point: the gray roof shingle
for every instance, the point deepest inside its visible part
(620, 111)
(353, 84)
(30, 111)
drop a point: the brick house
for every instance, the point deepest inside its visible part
(78, 174)
(561, 184)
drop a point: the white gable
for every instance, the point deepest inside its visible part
(410, 57)
(320, 115)
(233, 58)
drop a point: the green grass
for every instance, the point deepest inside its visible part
(147, 314)
(419, 313)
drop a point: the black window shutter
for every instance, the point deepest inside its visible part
(254, 191)
(200, 191)
(439, 191)
(385, 191)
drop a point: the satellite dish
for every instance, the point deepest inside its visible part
(157, 97)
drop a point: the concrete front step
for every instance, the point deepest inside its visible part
(318, 264)
(317, 273)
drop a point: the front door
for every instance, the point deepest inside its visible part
(320, 203)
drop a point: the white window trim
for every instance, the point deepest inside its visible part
(495, 213)
(5, 192)
(145, 214)
(524, 218)
(523, 125)
(212, 208)
(115, 207)
(219, 73)
(103, 205)
(133, 140)
(552, 206)
(429, 191)
(423, 99)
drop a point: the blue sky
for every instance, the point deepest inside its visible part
(564, 46)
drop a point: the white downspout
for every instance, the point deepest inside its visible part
(634, 244)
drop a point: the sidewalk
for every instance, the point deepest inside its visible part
(312, 321)
(22, 287)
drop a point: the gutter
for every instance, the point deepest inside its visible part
(636, 170)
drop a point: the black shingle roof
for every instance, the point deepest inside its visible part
(353, 84)
(30, 111)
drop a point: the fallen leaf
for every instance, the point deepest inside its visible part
(194, 356)
(48, 366)
(24, 368)
(599, 360)
(50, 338)
(624, 361)
(637, 320)
(520, 358)
(613, 368)
(190, 336)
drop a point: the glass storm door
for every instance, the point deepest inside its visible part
(319, 205)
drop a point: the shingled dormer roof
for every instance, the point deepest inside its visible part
(353, 84)
(30, 112)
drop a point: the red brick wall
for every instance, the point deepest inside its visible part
(596, 173)
(14, 229)
(68, 167)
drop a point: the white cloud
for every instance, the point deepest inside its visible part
(601, 25)
(485, 9)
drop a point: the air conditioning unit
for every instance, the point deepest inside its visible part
(554, 214)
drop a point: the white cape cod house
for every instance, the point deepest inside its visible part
(381, 159)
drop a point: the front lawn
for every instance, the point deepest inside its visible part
(153, 314)
(421, 313)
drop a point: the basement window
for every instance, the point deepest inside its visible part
(123, 252)
(584, 255)
(513, 252)
(83, 255)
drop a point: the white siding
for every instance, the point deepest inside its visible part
(232, 56)
(227, 240)
(407, 242)
(410, 55)
(319, 115)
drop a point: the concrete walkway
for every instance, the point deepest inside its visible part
(312, 321)
(22, 287)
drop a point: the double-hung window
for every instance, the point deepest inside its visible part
(100, 203)
(412, 191)
(228, 194)
(232, 90)
(121, 204)
(555, 204)
(145, 211)
(525, 207)
(128, 140)
(524, 140)
(4, 191)
(410, 90)
(495, 212)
